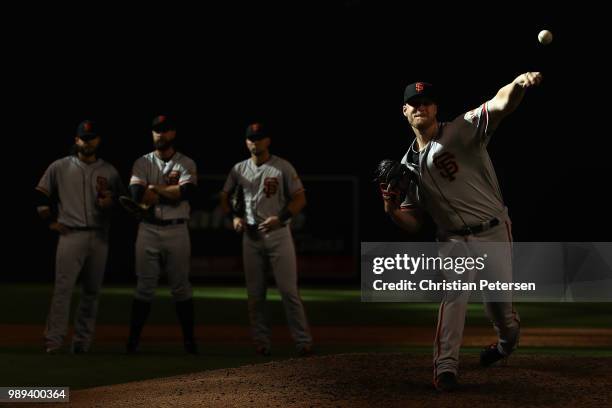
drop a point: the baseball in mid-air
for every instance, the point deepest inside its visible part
(545, 37)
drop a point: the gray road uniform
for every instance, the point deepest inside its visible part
(83, 250)
(459, 189)
(163, 244)
(268, 188)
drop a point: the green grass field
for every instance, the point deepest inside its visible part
(26, 365)
(335, 306)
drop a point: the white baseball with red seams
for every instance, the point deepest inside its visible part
(545, 37)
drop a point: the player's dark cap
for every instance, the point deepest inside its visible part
(87, 130)
(256, 131)
(420, 89)
(163, 123)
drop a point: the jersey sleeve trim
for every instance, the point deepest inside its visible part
(485, 111)
(43, 190)
(301, 190)
(408, 207)
(136, 180)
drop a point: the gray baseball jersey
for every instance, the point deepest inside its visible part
(78, 186)
(458, 185)
(180, 169)
(458, 188)
(83, 250)
(267, 188)
(167, 248)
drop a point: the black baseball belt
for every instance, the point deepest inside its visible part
(164, 223)
(476, 229)
(83, 228)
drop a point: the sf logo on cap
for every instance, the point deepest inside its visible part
(419, 86)
(87, 127)
(161, 118)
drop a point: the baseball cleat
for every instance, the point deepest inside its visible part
(491, 354)
(131, 348)
(52, 350)
(263, 351)
(305, 351)
(78, 348)
(191, 347)
(446, 382)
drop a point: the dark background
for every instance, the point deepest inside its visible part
(328, 80)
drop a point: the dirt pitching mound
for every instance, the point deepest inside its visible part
(370, 380)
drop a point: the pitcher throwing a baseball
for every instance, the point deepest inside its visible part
(457, 186)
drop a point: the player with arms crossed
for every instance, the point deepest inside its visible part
(163, 181)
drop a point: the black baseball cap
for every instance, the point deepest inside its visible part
(256, 131)
(87, 130)
(163, 123)
(420, 89)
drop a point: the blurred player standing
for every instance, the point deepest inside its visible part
(84, 187)
(272, 194)
(165, 180)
